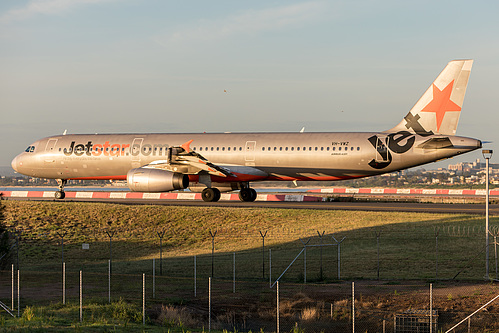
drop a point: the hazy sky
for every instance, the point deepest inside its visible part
(100, 66)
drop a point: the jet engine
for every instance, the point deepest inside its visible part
(155, 180)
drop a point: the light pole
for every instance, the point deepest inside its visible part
(487, 154)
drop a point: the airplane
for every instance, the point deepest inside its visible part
(212, 163)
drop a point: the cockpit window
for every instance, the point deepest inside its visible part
(30, 149)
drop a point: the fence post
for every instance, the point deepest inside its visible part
(160, 235)
(320, 236)
(431, 307)
(109, 280)
(495, 252)
(143, 298)
(270, 268)
(195, 278)
(62, 243)
(305, 265)
(209, 303)
(81, 299)
(263, 252)
(12, 307)
(212, 250)
(234, 284)
(305, 259)
(339, 260)
(277, 306)
(353, 307)
(64, 283)
(153, 278)
(338, 243)
(110, 234)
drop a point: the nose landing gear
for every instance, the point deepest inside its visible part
(59, 195)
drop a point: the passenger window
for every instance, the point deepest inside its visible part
(286, 149)
(315, 148)
(358, 148)
(280, 148)
(339, 148)
(292, 148)
(223, 148)
(297, 148)
(322, 148)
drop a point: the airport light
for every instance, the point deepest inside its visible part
(487, 154)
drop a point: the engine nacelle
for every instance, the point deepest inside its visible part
(155, 180)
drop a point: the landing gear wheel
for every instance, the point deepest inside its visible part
(210, 195)
(247, 195)
(60, 194)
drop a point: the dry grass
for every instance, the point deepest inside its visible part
(406, 238)
(173, 316)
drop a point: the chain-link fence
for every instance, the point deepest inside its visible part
(242, 305)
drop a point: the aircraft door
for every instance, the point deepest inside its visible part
(50, 148)
(135, 152)
(51, 145)
(250, 151)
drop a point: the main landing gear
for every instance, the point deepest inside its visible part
(210, 194)
(247, 194)
(60, 194)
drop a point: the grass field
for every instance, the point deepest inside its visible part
(407, 249)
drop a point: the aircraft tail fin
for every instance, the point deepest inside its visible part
(438, 110)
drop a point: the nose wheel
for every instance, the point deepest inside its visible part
(59, 195)
(247, 194)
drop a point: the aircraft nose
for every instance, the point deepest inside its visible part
(14, 164)
(17, 163)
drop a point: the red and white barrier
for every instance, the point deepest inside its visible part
(153, 196)
(402, 191)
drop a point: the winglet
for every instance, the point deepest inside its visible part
(186, 145)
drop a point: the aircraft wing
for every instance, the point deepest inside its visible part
(182, 159)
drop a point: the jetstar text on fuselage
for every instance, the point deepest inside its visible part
(114, 149)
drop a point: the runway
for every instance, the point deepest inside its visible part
(375, 206)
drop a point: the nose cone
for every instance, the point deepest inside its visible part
(15, 163)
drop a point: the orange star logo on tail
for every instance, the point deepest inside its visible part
(441, 103)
